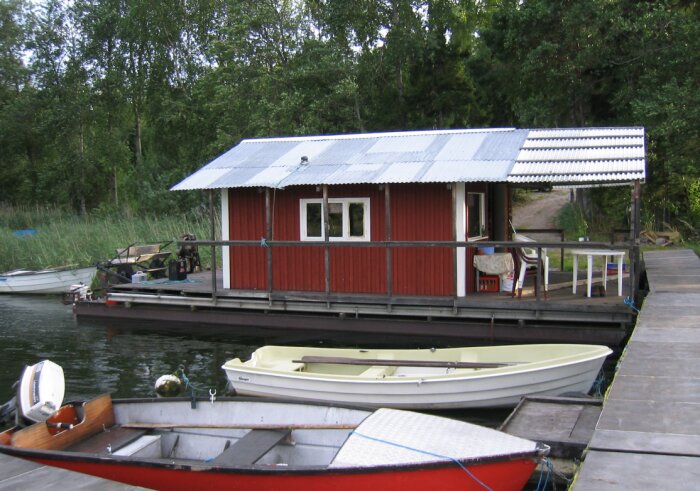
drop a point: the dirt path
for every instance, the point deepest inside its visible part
(541, 210)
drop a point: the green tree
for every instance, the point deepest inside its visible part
(17, 104)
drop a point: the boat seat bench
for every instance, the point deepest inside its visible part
(251, 447)
(378, 371)
(114, 438)
(287, 366)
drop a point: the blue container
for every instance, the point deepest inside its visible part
(487, 250)
(612, 268)
(24, 233)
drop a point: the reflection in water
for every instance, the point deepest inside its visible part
(125, 358)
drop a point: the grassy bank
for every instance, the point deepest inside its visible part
(63, 238)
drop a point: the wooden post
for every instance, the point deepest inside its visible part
(327, 233)
(268, 234)
(212, 213)
(634, 240)
(539, 274)
(387, 228)
(455, 281)
(459, 234)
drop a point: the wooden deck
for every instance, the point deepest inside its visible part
(648, 434)
(498, 317)
(21, 474)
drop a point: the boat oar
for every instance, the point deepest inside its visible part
(341, 360)
(249, 426)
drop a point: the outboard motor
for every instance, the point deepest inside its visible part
(40, 392)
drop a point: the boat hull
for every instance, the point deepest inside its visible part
(43, 282)
(498, 387)
(507, 475)
(325, 447)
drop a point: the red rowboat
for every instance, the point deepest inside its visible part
(244, 444)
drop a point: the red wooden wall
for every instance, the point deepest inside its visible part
(418, 212)
(422, 212)
(247, 222)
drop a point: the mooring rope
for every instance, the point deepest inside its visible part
(189, 384)
(546, 472)
(447, 457)
(598, 384)
(630, 303)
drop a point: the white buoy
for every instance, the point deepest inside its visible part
(168, 386)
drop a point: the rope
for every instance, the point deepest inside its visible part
(263, 242)
(189, 384)
(456, 461)
(548, 472)
(630, 303)
(598, 384)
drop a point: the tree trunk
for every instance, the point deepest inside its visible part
(137, 137)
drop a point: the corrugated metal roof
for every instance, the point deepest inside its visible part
(579, 155)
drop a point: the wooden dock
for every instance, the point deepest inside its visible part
(648, 434)
(21, 474)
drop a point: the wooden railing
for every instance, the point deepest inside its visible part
(631, 248)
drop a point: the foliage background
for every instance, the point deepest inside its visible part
(105, 104)
(92, 239)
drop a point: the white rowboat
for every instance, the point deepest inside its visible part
(52, 280)
(493, 376)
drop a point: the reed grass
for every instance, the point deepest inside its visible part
(67, 239)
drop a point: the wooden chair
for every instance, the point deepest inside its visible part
(526, 262)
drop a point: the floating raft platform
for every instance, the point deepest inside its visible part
(566, 424)
(477, 318)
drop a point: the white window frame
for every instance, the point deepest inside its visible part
(346, 219)
(482, 214)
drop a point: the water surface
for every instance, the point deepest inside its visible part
(125, 358)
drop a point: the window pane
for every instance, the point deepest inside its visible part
(335, 219)
(313, 220)
(357, 219)
(474, 225)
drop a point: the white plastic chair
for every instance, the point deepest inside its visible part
(527, 257)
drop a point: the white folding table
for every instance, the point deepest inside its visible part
(605, 254)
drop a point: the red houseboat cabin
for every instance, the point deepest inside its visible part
(323, 211)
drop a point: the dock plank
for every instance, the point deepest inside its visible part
(625, 471)
(677, 418)
(640, 442)
(21, 474)
(663, 388)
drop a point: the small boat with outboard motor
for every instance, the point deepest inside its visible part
(251, 443)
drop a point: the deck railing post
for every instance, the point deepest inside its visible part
(387, 226)
(539, 274)
(327, 249)
(561, 251)
(634, 240)
(213, 247)
(268, 233)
